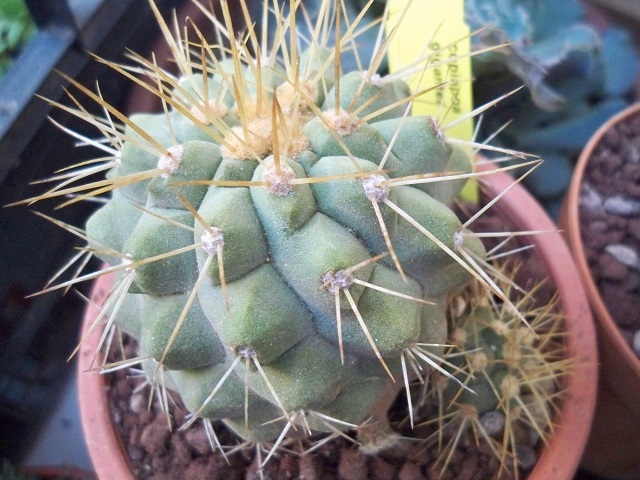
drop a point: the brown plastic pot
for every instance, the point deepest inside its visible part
(613, 449)
(559, 461)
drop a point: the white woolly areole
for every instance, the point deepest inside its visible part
(438, 131)
(375, 79)
(342, 122)
(478, 361)
(336, 281)
(278, 182)
(212, 239)
(500, 327)
(458, 239)
(212, 107)
(510, 387)
(376, 188)
(170, 163)
(244, 352)
(128, 260)
(265, 61)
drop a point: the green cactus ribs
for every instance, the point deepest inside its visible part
(282, 230)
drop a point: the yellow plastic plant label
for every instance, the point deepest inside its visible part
(432, 42)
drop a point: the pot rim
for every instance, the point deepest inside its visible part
(106, 449)
(570, 220)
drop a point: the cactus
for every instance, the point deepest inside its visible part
(282, 234)
(513, 374)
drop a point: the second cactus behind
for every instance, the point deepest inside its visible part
(282, 233)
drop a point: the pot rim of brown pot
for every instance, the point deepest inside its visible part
(614, 444)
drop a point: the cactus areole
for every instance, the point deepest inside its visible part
(281, 230)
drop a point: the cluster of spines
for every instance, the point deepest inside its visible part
(513, 373)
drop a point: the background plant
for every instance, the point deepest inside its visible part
(16, 28)
(576, 76)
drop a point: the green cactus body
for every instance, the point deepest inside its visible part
(260, 242)
(507, 375)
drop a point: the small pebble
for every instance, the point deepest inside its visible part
(632, 190)
(623, 206)
(138, 403)
(632, 283)
(612, 136)
(635, 343)
(154, 439)
(633, 154)
(353, 465)
(624, 254)
(623, 307)
(468, 467)
(198, 440)
(136, 452)
(381, 469)
(631, 171)
(598, 226)
(493, 422)
(310, 467)
(526, 456)
(634, 228)
(610, 268)
(410, 471)
(590, 198)
(180, 449)
(288, 467)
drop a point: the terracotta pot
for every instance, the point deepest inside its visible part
(613, 449)
(108, 454)
(559, 461)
